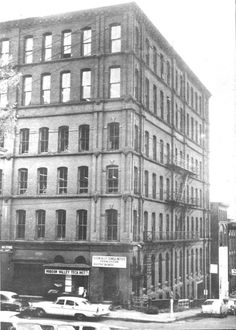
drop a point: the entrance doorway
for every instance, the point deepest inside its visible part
(110, 283)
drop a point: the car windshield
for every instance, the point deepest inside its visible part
(208, 302)
(15, 296)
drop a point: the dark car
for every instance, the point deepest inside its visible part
(10, 301)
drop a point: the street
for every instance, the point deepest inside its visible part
(197, 322)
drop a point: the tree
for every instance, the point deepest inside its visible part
(9, 78)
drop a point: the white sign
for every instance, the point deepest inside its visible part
(233, 271)
(213, 268)
(74, 272)
(109, 261)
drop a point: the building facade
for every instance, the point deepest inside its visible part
(232, 256)
(219, 251)
(105, 183)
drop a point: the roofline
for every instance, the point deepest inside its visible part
(123, 7)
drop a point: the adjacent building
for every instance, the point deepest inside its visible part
(104, 182)
(232, 256)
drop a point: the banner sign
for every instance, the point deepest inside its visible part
(72, 272)
(109, 261)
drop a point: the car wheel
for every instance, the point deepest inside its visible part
(79, 317)
(40, 312)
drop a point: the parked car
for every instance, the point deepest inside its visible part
(71, 306)
(9, 320)
(215, 307)
(10, 301)
(231, 306)
(94, 326)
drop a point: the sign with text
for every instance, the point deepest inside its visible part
(73, 272)
(109, 261)
(233, 271)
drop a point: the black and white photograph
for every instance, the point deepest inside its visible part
(117, 164)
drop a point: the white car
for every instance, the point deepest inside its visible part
(71, 306)
(215, 307)
(10, 301)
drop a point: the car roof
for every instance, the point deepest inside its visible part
(72, 297)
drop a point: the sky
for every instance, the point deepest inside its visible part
(203, 33)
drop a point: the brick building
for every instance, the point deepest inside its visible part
(105, 183)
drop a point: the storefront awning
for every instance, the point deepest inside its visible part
(67, 266)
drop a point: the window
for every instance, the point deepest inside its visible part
(115, 32)
(43, 139)
(66, 44)
(146, 184)
(40, 223)
(82, 225)
(65, 87)
(146, 145)
(42, 180)
(83, 179)
(45, 88)
(47, 47)
(168, 188)
(168, 153)
(187, 92)
(28, 53)
(27, 90)
(176, 116)
(20, 224)
(155, 59)
(61, 223)
(87, 42)
(192, 128)
(154, 186)
(62, 177)
(147, 55)
(22, 180)
(191, 90)
(63, 138)
(135, 226)
(181, 85)
(196, 131)
(137, 40)
(114, 82)
(112, 225)
(168, 109)
(176, 81)
(1, 176)
(162, 65)
(162, 104)
(161, 187)
(147, 93)
(161, 151)
(187, 124)
(154, 147)
(136, 85)
(145, 228)
(182, 120)
(84, 137)
(168, 72)
(3, 94)
(4, 51)
(135, 180)
(86, 85)
(160, 268)
(155, 99)
(113, 136)
(136, 138)
(24, 141)
(112, 179)
(196, 101)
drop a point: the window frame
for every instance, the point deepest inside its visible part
(61, 224)
(82, 225)
(83, 179)
(117, 84)
(27, 90)
(28, 50)
(112, 179)
(86, 42)
(40, 223)
(65, 87)
(84, 132)
(45, 90)
(47, 47)
(62, 180)
(63, 138)
(43, 139)
(24, 140)
(66, 46)
(86, 84)
(115, 42)
(42, 176)
(112, 225)
(113, 136)
(20, 224)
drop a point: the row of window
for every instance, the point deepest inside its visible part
(192, 97)
(66, 45)
(61, 222)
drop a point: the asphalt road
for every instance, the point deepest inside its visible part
(197, 322)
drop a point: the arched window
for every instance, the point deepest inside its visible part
(82, 224)
(80, 260)
(113, 136)
(59, 259)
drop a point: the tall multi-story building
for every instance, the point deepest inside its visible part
(105, 181)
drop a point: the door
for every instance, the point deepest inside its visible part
(110, 283)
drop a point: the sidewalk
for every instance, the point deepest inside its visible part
(135, 316)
